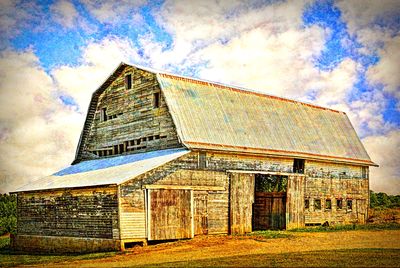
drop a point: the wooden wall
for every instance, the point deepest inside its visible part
(212, 205)
(133, 124)
(86, 212)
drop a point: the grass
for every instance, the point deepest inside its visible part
(349, 227)
(9, 258)
(323, 258)
(268, 234)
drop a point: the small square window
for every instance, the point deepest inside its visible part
(339, 203)
(298, 166)
(306, 204)
(317, 204)
(328, 204)
(349, 204)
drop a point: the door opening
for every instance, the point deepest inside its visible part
(269, 208)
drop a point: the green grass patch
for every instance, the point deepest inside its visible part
(269, 234)
(10, 258)
(324, 258)
(348, 227)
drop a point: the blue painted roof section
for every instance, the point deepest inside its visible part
(97, 164)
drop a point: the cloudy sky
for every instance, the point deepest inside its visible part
(53, 54)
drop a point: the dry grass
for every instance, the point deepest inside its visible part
(356, 248)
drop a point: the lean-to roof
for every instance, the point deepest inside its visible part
(106, 171)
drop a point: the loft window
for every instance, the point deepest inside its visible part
(298, 166)
(202, 160)
(306, 204)
(128, 81)
(349, 204)
(317, 204)
(156, 99)
(339, 203)
(103, 115)
(328, 204)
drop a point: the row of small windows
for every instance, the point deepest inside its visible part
(328, 204)
(128, 146)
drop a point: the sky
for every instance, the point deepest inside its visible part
(344, 55)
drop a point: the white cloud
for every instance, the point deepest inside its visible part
(15, 15)
(384, 150)
(64, 13)
(387, 70)
(113, 12)
(38, 133)
(99, 59)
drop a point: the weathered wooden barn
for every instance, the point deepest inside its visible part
(167, 157)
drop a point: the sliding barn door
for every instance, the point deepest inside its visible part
(169, 214)
(241, 203)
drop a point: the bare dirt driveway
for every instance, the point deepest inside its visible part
(344, 248)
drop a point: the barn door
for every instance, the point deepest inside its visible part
(200, 212)
(169, 214)
(269, 211)
(361, 210)
(241, 202)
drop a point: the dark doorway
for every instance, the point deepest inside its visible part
(269, 208)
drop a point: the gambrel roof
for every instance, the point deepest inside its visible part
(213, 116)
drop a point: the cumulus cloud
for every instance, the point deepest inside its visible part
(359, 14)
(387, 70)
(15, 15)
(38, 132)
(383, 149)
(99, 59)
(64, 13)
(112, 12)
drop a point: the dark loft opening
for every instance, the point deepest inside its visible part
(128, 81)
(156, 101)
(298, 166)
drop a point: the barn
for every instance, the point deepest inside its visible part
(164, 157)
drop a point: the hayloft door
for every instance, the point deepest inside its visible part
(241, 202)
(169, 214)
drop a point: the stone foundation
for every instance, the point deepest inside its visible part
(62, 244)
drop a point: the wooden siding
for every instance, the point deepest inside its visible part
(132, 215)
(133, 124)
(170, 214)
(88, 212)
(241, 203)
(185, 173)
(295, 202)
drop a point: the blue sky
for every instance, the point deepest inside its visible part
(340, 54)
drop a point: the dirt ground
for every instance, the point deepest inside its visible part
(209, 250)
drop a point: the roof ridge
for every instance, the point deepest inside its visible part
(245, 90)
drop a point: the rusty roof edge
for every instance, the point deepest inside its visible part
(278, 153)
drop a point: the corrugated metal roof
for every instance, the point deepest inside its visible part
(115, 170)
(215, 116)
